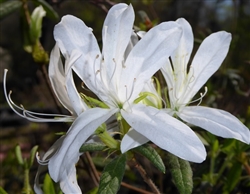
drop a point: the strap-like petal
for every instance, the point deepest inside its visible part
(116, 34)
(207, 60)
(166, 132)
(85, 125)
(72, 34)
(132, 140)
(69, 183)
(58, 78)
(218, 122)
(180, 59)
(44, 167)
(147, 57)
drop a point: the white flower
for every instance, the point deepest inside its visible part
(117, 76)
(184, 82)
(65, 90)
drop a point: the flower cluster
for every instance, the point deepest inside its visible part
(120, 76)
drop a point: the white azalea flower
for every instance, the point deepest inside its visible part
(184, 82)
(117, 76)
(65, 90)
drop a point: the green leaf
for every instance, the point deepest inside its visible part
(92, 147)
(51, 13)
(151, 154)
(48, 186)
(2, 191)
(181, 173)
(112, 175)
(19, 156)
(8, 7)
(32, 156)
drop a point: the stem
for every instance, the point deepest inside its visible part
(26, 11)
(92, 167)
(145, 177)
(211, 170)
(27, 189)
(135, 188)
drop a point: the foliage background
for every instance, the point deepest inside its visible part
(227, 168)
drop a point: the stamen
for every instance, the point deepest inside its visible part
(200, 99)
(113, 73)
(41, 162)
(123, 64)
(133, 86)
(29, 115)
(128, 97)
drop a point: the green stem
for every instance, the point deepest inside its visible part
(211, 171)
(27, 189)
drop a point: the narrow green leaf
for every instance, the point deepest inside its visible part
(112, 175)
(233, 177)
(51, 13)
(19, 156)
(151, 154)
(2, 191)
(32, 156)
(88, 147)
(48, 186)
(8, 7)
(181, 173)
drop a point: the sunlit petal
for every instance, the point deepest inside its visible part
(132, 139)
(117, 28)
(81, 129)
(68, 183)
(207, 60)
(166, 132)
(72, 34)
(43, 167)
(148, 56)
(218, 122)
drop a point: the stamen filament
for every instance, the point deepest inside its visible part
(29, 115)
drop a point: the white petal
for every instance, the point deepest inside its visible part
(147, 57)
(180, 59)
(57, 79)
(132, 43)
(72, 34)
(78, 133)
(116, 34)
(166, 132)
(43, 168)
(207, 60)
(218, 122)
(132, 140)
(76, 101)
(69, 182)
(182, 54)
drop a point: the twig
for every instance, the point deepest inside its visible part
(135, 188)
(90, 171)
(101, 4)
(145, 177)
(92, 166)
(26, 11)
